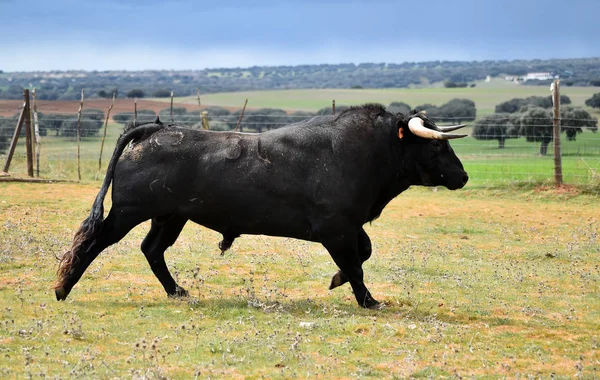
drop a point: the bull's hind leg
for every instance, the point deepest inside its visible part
(364, 252)
(343, 248)
(228, 238)
(163, 233)
(87, 245)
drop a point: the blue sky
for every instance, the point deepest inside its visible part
(182, 34)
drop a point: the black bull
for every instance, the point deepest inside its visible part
(319, 180)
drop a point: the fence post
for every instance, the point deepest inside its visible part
(38, 142)
(172, 120)
(241, 115)
(15, 138)
(28, 134)
(104, 135)
(333, 107)
(198, 96)
(79, 136)
(555, 89)
(134, 111)
(205, 120)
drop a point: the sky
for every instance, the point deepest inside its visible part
(37, 35)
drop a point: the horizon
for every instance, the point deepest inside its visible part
(298, 65)
(130, 35)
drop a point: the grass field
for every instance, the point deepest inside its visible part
(485, 95)
(486, 283)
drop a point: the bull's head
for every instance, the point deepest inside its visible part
(435, 161)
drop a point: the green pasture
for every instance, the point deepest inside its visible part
(484, 283)
(485, 95)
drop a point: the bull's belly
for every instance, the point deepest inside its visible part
(273, 220)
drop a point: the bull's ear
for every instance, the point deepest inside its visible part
(400, 133)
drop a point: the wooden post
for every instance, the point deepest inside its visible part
(198, 96)
(79, 136)
(28, 134)
(38, 142)
(104, 135)
(15, 138)
(555, 89)
(333, 107)
(172, 121)
(205, 125)
(241, 115)
(134, 111)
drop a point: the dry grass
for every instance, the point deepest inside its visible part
(479, 282)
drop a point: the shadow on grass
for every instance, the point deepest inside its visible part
(320, 307)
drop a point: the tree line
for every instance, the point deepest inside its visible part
(533, 118)
(67, 85)
(58, 124)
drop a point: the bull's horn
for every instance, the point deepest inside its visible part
(450, 128)
(417, 127)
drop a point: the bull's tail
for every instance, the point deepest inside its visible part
(92, 225)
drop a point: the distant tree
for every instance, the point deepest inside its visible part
(497, 127)
(574, 119)
(136, 93)
(536, 126)
(91, 121)
(265, 118)
(53, 121)
(231, 120)
(515, 105)
(143, 116)
(356, 87)
(595, 82)
(7, 128)
(456, 111)
(161, 94)
(452, 84)
(399, 107)
(103, 94)
(594, 101)
(564, 100)
(299, 116)
(430, 110)
(178, 112)
(188, 118)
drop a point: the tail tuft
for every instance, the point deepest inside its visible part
(81, 241)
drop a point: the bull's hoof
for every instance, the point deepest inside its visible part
(224, 245)
(61, 293)
(179, 293)
(371, 303)
(338, 279)
(375, 306)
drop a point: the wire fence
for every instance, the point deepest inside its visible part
(488, 161)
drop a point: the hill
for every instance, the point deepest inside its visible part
(58, 85)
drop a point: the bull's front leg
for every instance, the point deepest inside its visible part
(343, 248)
(364, 252)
